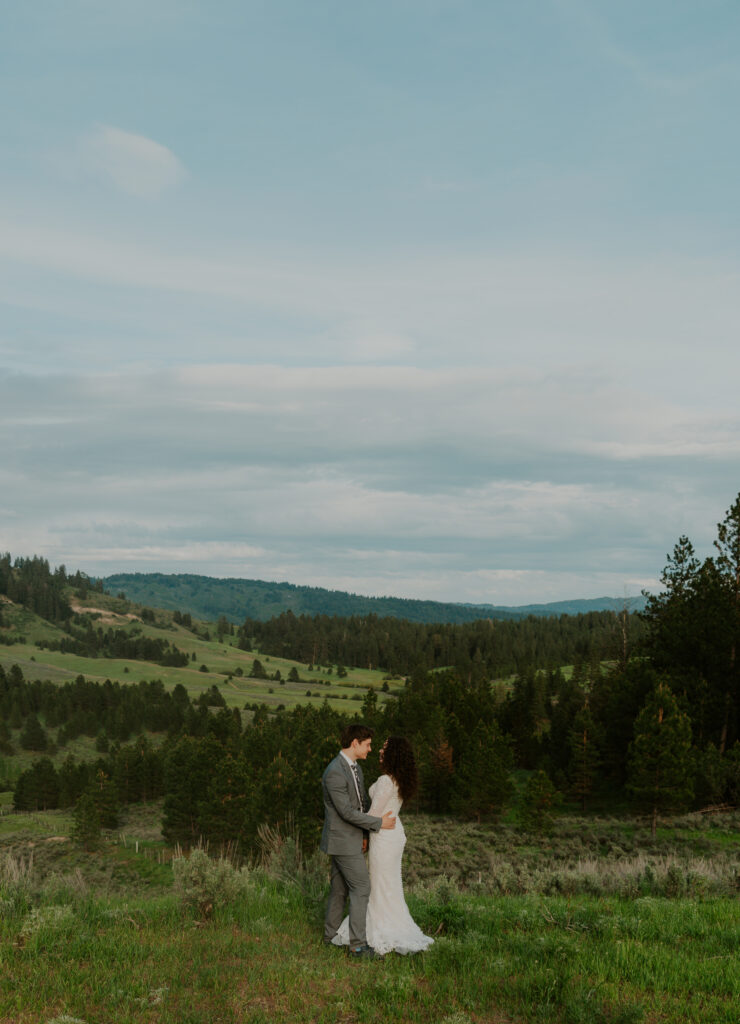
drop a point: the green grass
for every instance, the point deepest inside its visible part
(102, 938)
(513, 959)
(222, 659)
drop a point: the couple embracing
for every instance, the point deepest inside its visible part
(379, 920)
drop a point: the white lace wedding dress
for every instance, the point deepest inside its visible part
(390, 926)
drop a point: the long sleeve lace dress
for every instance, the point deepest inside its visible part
(390, 926)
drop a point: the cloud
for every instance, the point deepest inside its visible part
(369, 344)
(118, 301)
(475, 484)
(133, 163)
(637, 318)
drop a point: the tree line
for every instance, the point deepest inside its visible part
(495, 648)
(31, 583)
(89, 642)
(655, 726)
(208, 598)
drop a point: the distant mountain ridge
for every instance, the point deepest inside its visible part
(578, 606)
(208, 597)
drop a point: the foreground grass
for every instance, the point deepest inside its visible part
(573, 928)
(523, 959)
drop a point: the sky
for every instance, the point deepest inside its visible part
(426, 298)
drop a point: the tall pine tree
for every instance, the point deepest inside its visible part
(660, 761)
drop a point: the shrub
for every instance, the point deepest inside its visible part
(68, 888)
(203, 883)
(50, 920)
(283, 859)
(675, 881)
(15, 885)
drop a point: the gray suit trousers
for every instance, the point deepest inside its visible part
(349, 877)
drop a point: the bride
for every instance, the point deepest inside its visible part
(389, 923)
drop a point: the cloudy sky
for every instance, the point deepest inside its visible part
(430, 298)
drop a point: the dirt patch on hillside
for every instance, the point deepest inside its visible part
(106, 615)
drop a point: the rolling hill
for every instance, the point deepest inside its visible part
(236, 599)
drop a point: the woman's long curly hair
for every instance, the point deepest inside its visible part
(398, 761)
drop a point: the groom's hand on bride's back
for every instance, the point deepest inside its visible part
(389, 820)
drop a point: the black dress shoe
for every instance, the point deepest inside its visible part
(363, 952)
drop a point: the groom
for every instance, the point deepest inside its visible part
(344, 837)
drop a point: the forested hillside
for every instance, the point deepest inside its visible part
(208, 598)
(645, 716)
(488, 647)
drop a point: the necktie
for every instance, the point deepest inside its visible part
(356, 777)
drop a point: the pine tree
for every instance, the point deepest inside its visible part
(585, 757)
(538, 801)
(86, 828)
(6, 747)
(483, 784)
(106, 799)
(437, 774)
(37, 788)
(33, 736)
(188, 769)
(660, 762)
(728, 563)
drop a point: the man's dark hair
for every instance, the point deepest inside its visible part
(356, 731)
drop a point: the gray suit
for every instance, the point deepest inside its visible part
(345, 823)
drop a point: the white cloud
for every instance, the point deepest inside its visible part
(504, 486)
(133, 163)
(369, 344)
(663, 320)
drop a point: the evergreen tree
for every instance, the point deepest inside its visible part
(187, 771)
(615, 701)
(436, 772)
(6, 747)
(483, 783)
(585, 756)
(73, 781)
(15, 718)
(106, 799)
(228, 814)
(728, 563)
(37, 788)
(276, 795)
(693, 631)
(537, 803)
(86, 827)
(660, 762)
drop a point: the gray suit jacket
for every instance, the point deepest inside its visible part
(345, 819)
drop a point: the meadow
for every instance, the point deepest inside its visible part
(593, 920)
(216, 661)
(593, 923)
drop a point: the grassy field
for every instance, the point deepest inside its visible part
(212, 661)
(102, 937)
